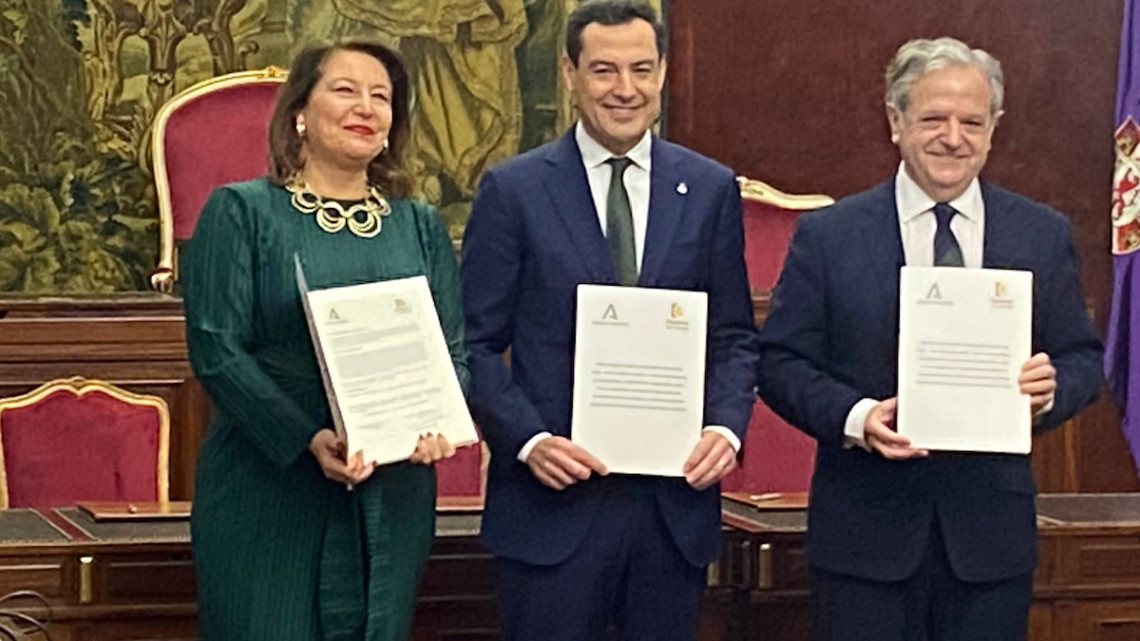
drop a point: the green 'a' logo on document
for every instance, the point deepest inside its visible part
(934, 293)
(610, 313)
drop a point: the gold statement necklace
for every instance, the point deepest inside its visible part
(362, 219)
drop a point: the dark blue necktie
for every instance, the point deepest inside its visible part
(947, 252)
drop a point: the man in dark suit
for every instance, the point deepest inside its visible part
(608, 203)
(904, 543)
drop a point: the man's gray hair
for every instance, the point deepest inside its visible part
(917, 57)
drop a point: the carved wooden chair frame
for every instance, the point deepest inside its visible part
(163, 277)
(752, 189)
(80, 386)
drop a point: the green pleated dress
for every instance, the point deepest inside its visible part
(282, 553)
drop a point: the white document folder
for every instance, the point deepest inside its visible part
(386, 367)
(639, 377)
(963, 336)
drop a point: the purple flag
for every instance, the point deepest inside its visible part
(1122, 354)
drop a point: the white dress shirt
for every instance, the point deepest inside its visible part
(916, 228)
(636, 181)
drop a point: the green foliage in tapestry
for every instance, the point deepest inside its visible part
(75, 212)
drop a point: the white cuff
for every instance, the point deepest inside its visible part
(856, 420)
(524, 453)
(725, 432)
(1046, 408)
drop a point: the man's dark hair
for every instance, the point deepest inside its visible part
(609, 13)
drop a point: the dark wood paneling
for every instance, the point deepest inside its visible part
(44, 575)
(1041, 622)
(1086, 583)
(144, 579)
(1100, 452)
(1116, 621)
(792, 93)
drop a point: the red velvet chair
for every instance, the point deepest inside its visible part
(83, 440)
(213, 133)
(777, 457)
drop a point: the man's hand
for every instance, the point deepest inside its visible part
(1039, 380)
(711, 460)
(558, 463)
(330, 452)
(878, 432)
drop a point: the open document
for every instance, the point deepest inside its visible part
(386, 367)
(963, 336)
(639, 377)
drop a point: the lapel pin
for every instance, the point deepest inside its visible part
(682, 188)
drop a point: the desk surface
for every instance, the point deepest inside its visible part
(67, 526)
(28, 527)
(1054, 512)
(1088, 510)
(23, 527)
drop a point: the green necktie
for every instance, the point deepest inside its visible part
(619, 225)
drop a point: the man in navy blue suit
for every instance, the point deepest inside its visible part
(579, 550)
(906, 544)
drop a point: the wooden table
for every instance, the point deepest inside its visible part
(135, 581)
(1086, 586)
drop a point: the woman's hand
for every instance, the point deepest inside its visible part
(431, 448)
(331, 451)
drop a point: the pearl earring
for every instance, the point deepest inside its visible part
(301, 129)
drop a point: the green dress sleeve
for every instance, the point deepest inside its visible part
(443, 278)
(217, 280)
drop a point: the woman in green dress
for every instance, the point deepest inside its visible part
(284, 551)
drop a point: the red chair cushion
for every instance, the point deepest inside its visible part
(68, 448)
(767, 234)
(217, 138)
(777, 457)
(461, 475)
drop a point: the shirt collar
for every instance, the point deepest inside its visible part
(913, 202)
(594, 154)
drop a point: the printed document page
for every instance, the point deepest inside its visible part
(963, 336)
(639, 377)
(386, 366)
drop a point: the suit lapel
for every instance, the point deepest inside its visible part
(569, 189)
(997, 252)
(882, 244)
(666, 206)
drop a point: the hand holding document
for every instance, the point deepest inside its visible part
(963, 337)
(386, 367)
(639, 377)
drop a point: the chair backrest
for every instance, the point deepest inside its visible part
(83, 440)
(769, 220)
(213, 133)
(463, 476)
(777, 457)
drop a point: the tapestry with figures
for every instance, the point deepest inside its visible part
(82, 80)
